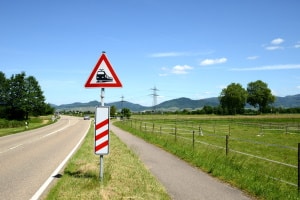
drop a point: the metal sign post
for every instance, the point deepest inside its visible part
(101, 156)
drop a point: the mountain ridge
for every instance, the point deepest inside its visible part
(290, 101)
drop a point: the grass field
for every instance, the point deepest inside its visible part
(262, 151)
(125, 177)
(12, 127)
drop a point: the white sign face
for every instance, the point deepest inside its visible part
(103, 75)
(102, 131)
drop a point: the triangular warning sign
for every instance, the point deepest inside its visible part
(103, 75)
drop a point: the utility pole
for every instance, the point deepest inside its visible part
(154, 95)
(122, 101)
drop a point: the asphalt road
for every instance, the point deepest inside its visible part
(29, 158)
(182, 181)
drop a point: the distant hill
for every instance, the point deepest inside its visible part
(291, 101)
(174, 104)
(186, 103)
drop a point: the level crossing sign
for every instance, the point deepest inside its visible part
(102, 131)
(103, 75)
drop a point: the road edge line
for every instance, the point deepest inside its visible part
(41, 190)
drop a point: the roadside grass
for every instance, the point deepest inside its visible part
(11, 127)
(260, 178)
(125, 176)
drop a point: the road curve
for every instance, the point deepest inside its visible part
(181, 180)
(27, 159)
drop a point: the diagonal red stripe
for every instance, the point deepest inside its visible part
(101, 124)
(100, 146)
(101, 135)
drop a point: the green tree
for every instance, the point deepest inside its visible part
(113, 111)
(233, 99)
(15, 96)
(208, 109)
(259, 95)
(48, 109)
(3, 88)
(34, 101)
(21, 96)
(126, 112)
(3, 96)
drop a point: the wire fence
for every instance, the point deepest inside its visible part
(221, 136)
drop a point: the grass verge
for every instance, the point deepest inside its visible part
(12, 127)
(125, 176)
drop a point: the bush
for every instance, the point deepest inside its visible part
(10, 123)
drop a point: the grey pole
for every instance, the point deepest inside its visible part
(101, 156)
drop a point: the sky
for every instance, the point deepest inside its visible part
(183, 48)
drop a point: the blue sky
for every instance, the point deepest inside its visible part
(190, 48)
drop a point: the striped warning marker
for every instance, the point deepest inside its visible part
(102, 131)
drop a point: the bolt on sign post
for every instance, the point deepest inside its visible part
(102, 76)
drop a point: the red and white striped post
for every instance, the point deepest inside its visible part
(102, 131)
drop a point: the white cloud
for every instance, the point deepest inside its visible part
(274, 44)
(178, 69)
(213, 61)
(177, 54)
(297, 45)
(271, 48)
(181, 69)
(252, 57)
(277, 41)
(268, 67)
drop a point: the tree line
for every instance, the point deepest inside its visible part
(21, 96)
(234, 97)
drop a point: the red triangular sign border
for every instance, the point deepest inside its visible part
(117, 82)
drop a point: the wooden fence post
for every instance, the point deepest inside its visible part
(214, 128)
(153, 128)
(175, 133)
(193, 139)
(227, 149)
(298, 168)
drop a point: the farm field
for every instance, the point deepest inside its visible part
(258, 154)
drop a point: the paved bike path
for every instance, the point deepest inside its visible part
(182, 181)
